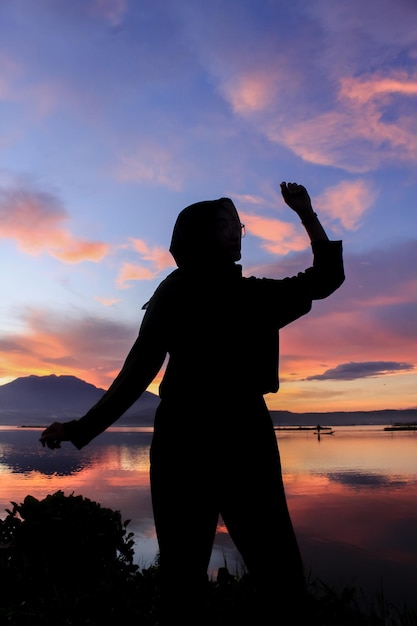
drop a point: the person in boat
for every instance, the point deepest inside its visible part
(214, 450)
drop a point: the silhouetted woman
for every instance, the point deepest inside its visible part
(214, 449)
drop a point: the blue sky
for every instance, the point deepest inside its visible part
(116, 114)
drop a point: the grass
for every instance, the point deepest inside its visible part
(67, 561)
(135, 601)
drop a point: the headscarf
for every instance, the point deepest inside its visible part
(193, 237)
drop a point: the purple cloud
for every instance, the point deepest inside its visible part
(365, 369)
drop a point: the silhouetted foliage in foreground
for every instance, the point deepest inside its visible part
(68, 561)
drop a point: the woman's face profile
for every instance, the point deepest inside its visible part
(228, 234)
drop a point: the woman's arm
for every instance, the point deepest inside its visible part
(327, 273)
(142, 364)
(138, 371)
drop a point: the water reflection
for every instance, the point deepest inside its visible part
(352, 497)
(356, 480)
(353, 502)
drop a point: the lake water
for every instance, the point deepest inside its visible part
(352, 497)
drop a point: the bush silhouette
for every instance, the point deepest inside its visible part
(62, 535)
(67, 559)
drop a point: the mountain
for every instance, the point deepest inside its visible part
(345, 418)
(40, 399)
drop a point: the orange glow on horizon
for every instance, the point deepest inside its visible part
(390, 391)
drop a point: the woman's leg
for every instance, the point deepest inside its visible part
(185, 520)
(255, 511)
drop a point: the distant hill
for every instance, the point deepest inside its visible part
(344, 418)
(38, 399)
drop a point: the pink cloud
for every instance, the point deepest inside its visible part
(350, 135)
(347, 202)
(160, 257)
(32, 218)
(134, 271)
(77, 251)
(363, 90)
(93, 349)
(277, 237)
(107, 301)
(157, 257)
(35, 220)
(248, 199)
(348, 132)
(251, 91)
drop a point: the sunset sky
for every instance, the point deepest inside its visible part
(115, 114)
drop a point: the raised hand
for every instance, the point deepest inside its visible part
(296, 196)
